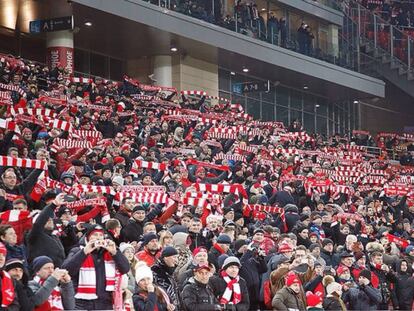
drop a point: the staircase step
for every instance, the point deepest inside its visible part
(394, 64)
(386, 59)
(402, 71)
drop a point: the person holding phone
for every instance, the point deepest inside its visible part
(52, 288)
(93, 268)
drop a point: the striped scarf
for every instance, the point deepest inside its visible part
(232, 294)
(53, 302)
(87, 277)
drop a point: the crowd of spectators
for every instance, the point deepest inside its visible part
(127, 196)
(249, 20)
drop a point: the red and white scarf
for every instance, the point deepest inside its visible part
(232, 294)
(87, 277)
(7, 289)
(54, 302)
(19, 162)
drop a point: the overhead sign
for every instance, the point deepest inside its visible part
(52, 24)
(248, 87)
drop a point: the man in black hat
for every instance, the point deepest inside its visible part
(93, 270)
(134, 228)
(46, 279)
(42, 239)
(163, 274)
(364, 296)
(151, 249)
(222, 246)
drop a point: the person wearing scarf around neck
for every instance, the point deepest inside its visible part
(94, 269)
(229, 288)
(52, 288)
(12, 293)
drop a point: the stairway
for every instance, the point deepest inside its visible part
(378, 54)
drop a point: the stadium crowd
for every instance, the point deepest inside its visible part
(127, 196)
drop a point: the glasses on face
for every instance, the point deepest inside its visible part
(10, 177)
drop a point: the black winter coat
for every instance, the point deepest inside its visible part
(331, 304)
(218, 285)
(251, 270)
(362, 298)
(163, 277)
(42, 242)
(199, 297)
(404, 288)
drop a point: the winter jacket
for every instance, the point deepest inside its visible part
(163, 277)
(42, 242)
(285, 299)
(74, 262)
(362, 298)
(147, 302)
(22, 189)
(252, 267)
(42, 292)
(199, 297)
(331, 259)
(214, 254)
(331, 303)
(218, 285)
(404, 288)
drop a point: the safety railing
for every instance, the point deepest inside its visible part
(274, 31)
(387, 40)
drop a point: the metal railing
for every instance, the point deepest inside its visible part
(272, 31)
(387, 41)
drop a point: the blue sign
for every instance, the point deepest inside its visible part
(52, 24)
(248, 87)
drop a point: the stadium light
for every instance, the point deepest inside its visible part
(88, 23)
(245, 69)
(356, 102)
(305, 87)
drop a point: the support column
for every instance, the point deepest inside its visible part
(333, 40)
(60, 50)
(163, 70)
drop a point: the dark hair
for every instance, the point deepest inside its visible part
(112, 224)
(3, 229)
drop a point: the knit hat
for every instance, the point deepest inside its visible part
(221, 259)
(291, 279)
(3, 249)
(312, 300)
(124, 246)
(238, 244)
(346, 254)
(258, 230)
(313, 246)
(409, 249)
(358, 255)
(13, 263)
(366, 274)
(201, 267)
(139, 208)
(199, 250)
(119, 180)
(168, 251)
(148, 237)
(331, 286)
(342, 269)
(39, 262)
(141, 272)
(285, 248)
(92, 229)
(326, 242)
(230, 261)
(223, 239)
